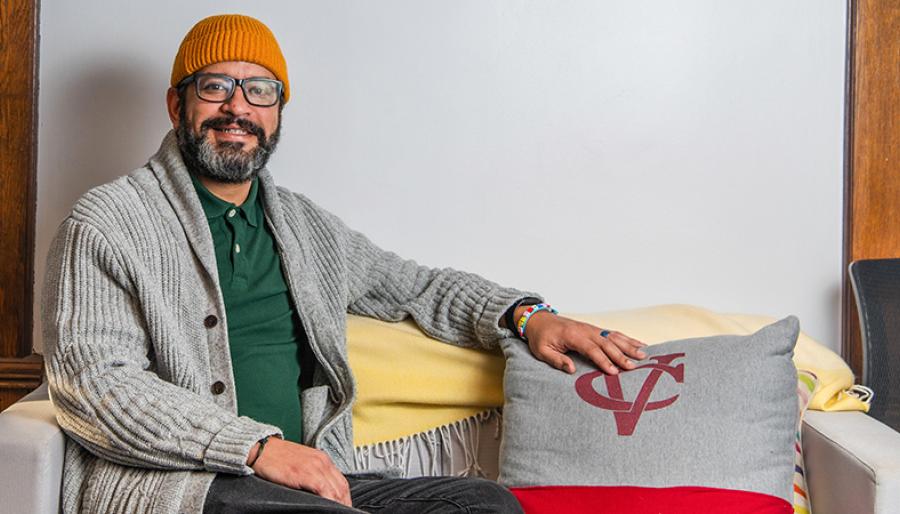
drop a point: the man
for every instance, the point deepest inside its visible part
(195, 313)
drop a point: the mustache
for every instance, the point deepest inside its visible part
(245, 124)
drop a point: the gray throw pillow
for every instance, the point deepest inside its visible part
(713, 412)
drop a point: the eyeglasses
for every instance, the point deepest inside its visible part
(218, 88)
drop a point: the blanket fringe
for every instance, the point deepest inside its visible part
(447, 450)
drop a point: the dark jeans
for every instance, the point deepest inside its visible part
(250, 494)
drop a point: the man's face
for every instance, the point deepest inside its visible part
(228, 141)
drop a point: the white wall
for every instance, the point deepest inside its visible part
(608, 154)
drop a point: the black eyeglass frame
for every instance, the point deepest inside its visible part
(237, 83)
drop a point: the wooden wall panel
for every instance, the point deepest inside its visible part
(872, 152)
(20, 371)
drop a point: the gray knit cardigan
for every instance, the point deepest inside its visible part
(135, 334)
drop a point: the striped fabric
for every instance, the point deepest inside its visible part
(806, 386)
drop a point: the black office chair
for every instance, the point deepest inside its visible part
(876, 284)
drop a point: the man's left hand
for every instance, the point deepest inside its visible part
(551, 336)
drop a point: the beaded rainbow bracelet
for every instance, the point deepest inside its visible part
(529, 312)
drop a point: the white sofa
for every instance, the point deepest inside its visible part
(852, 460)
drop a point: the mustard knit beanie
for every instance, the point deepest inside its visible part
(230, 37)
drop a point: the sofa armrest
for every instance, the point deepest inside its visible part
(852, 463)
(32, 446)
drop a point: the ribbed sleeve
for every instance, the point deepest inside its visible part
(136, 340)
(450, 305)
(98, 352)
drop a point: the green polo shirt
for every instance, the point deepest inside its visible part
(265, 334)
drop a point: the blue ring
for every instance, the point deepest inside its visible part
(604, 333)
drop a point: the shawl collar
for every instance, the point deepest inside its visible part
(175, 182)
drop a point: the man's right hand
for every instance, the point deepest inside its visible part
(301, 467)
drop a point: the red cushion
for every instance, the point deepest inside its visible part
(646, 500)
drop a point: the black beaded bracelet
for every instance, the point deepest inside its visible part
(262, 444)
(510, 315)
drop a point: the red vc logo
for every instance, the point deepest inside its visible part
(626, 412)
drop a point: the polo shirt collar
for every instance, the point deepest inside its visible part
(214, 207)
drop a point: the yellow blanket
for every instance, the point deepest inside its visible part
(409, 383)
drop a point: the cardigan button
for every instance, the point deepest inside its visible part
(218, 388)
(210, 321)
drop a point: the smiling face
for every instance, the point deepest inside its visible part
(226, 141)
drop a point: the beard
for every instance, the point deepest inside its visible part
(225, 162)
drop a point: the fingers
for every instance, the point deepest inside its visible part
(608, 350)
(603, 353)
(326, 480)
(592, 351)
(301, 467)
(556, 359)
(615, 348)
(343, 491)
(611, 351)
(336, 490)
(627, 345)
